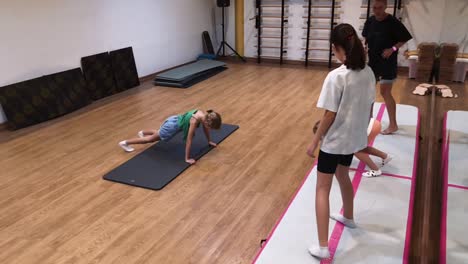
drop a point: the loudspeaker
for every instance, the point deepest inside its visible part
(223, 3)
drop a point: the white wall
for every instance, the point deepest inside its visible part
(427, 20)
(455, 24)
(249, 29)
(47, 36)
(424, 19)
(438, 21)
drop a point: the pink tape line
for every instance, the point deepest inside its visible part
(443, 222)
(338, 229)
(284, 213)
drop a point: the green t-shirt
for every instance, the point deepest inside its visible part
(184, 122)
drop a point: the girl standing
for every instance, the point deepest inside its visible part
(347, 96)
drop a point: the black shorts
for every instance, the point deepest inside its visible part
(327, 163)
(384, 69)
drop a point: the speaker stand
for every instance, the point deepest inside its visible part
(224, 43)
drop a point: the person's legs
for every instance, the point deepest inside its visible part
(373, 130)
(144, 133)
(322, 210)
(347, 191)
(322, 206)
(346, 187)
(147, 139)
(374, 169)
(327, 164)
(364, 157)
(347, 195)
(143, 140)
(386, 158)
(375, 152)
(386, 92)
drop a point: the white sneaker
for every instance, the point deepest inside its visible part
(319, 252)
(387, 160)
(372, 173)
(345, 221)
(127, 148)
(140, 134)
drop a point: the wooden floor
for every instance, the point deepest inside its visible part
(55, 207)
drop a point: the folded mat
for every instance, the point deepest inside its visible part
(192, 80)
(182, 72)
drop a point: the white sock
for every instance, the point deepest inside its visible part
(387, 159)
(345, 221)
(372, 173)
(140, 134)
(319, 252)
(123, 144)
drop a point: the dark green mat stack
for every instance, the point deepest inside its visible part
(190, 74)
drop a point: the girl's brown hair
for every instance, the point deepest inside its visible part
(345, 36)
(213, 119)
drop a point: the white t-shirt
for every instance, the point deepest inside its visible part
(350, 94)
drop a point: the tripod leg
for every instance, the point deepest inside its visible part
(219, 49)
(224, 40)
(233, 50)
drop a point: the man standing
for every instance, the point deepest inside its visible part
(384, 35)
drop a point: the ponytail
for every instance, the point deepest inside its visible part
(345, 36)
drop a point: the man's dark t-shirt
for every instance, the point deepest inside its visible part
(381, 35)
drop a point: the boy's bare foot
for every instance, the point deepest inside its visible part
(389, 130)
